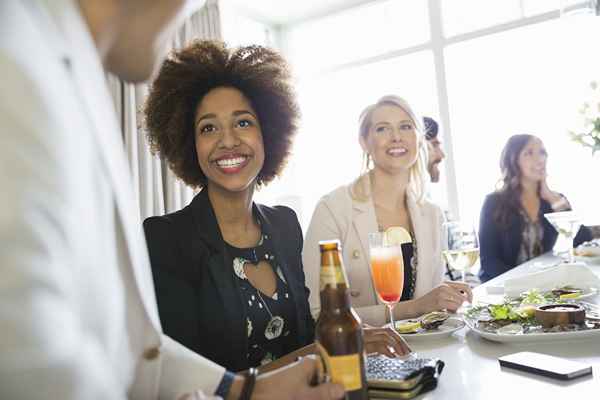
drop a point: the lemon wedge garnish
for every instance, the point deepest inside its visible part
(396, 235)
(569, 295)
(408, 326)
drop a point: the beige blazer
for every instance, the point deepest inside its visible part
(338, 216)
(77, 304)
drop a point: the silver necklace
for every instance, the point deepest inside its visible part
(275, 324)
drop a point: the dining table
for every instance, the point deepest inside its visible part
(472, 370)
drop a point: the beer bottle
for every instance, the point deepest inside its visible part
(338, 333)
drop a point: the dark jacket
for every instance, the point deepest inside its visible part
(499, 247)
(198, 296)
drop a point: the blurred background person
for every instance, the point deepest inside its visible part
(78, 314)
(228, 272)
(512, 227)
(392, 192)
(434, 147)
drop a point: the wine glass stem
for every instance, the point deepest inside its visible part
(571, 255)
(462, 275)
(390, 307)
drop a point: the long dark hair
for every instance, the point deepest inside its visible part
(509, 193)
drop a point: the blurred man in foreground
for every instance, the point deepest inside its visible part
(78, 316)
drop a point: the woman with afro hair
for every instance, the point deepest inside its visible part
(228, 272)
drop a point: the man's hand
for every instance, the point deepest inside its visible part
(295, 381)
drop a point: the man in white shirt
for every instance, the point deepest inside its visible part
(78, 317)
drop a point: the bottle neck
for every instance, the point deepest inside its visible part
(334, 282)
(335, 300)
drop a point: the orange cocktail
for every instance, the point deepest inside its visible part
(387, 270)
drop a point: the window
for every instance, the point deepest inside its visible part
(528, 76)
(326, 152)
(527, 80)
(462, 16)
(359, 33)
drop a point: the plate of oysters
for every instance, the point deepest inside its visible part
(588, 252)
(433, 325)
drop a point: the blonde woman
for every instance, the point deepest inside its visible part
(391, 192)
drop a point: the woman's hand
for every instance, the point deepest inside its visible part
(384, 341)
(557, 201)
(547, 194)
(447, 296)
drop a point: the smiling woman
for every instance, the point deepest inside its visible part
(512, 227)
(391, 193)
(229, 286)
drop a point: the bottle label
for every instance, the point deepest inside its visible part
(344, 370)
(331, 275)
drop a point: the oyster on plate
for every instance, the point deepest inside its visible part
(433, 319)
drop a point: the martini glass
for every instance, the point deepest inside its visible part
(567, 224)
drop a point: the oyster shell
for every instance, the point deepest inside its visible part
(433, 319)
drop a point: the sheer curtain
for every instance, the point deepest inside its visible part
(158, 190)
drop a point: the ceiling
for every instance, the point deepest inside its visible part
(284, 12)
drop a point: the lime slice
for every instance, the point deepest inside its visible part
(396, 235)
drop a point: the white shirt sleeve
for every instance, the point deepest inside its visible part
(45, 351)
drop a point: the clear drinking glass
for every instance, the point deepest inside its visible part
(387, 271)
(462, 246)
(567, 224)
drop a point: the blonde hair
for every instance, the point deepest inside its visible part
(418, 176)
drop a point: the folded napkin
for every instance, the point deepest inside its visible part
(577, 275)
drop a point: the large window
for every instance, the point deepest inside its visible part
(485, 69)
(356, 34)
(527, 80)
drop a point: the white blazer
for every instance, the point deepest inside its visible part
(78, 315)
(339, 216)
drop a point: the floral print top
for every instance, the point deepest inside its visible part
(409, 256)
(532, 237)
(271, 320)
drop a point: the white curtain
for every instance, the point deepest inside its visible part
(157, 189)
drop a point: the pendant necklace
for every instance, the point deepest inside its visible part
(275, 324)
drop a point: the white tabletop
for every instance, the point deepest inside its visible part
(472, 370)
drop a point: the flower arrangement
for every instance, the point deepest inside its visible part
(590, 135)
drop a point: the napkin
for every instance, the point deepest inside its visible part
(577, 275)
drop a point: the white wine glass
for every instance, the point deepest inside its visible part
(461, 246)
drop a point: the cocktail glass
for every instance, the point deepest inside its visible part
(567, 224)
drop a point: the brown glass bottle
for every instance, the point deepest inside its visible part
(338, 333)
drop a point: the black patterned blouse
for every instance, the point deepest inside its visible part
(409, 256)
(271, 321)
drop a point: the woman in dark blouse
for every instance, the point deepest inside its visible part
(228, 272)
(512, 226)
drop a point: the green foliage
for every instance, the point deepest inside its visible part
(590, 136)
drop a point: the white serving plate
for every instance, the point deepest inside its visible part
(589, 260)
(534, 337)
(586, 293)
(449, 326)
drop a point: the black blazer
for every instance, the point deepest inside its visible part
(499, 247)
(199, 300)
